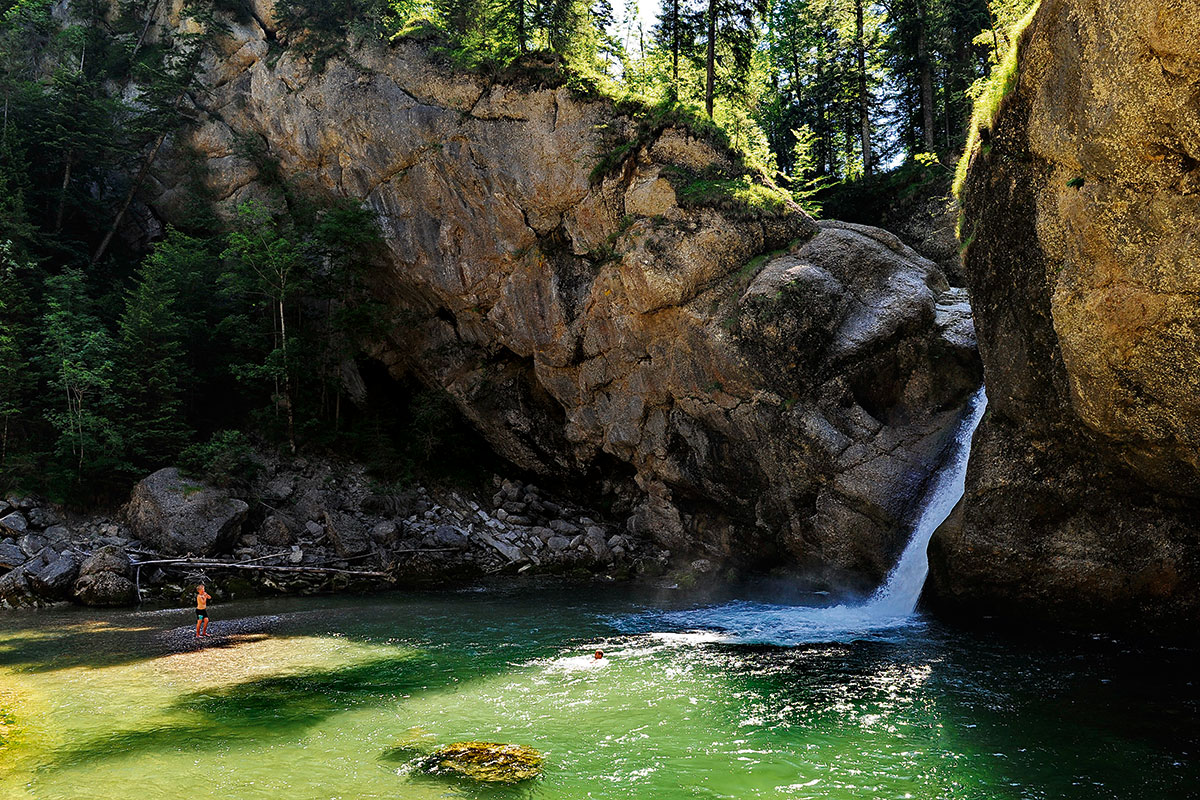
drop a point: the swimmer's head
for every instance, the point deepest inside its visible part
(599, 654)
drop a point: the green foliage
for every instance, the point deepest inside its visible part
(227, 458)
(872, 201)
(17, 381)
(324, 29)
(652, 121)
(990, 94)
(151, 369)
(78, 355)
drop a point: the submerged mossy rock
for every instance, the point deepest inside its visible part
(1081, 211)
(486, 762)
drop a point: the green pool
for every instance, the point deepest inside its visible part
(338, 698)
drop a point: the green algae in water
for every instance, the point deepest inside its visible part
(486, 762)
(305, 712)
(7, 723)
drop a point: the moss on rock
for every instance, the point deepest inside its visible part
(1000, 84)
(486, 762)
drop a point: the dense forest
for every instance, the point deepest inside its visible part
(119, 355)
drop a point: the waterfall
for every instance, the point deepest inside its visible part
(900, 592)
(889, 608)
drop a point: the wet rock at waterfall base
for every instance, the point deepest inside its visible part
(485, 762)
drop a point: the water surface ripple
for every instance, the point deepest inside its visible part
(338, 698)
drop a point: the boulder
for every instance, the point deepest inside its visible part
(447, 536)
(312, 505)
(54, 579)
(594, 539)
(104, 579)
(179, 515)
(32, 543)
(348, 535)
(276, 530)
(105, 589)
(107, 559)
(13, 524)
(15, 590)
(1080, 211)
(11, 555)
(385, 532)
(279, 488)
(57, 534)
(486, 762)
(42, 518)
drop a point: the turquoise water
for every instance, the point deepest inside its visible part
(338, 697)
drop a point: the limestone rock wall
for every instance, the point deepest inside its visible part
(743, 385)
(1082, 216)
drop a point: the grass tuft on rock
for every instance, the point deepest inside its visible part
(486, 762)
(742, 195)
(1000, 84)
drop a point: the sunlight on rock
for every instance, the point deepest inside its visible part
(487, 762)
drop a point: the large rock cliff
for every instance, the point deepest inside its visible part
(740, 380)
(1082, 213)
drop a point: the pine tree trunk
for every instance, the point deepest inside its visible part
(864, 110)
(946, 104)
(145, 29)
(711, 58)
(824, 143)
(62, 195)
(133, 187)
(674, 49)
(287, 380)
(926, 84)
(521, 26)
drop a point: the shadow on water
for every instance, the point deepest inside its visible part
(277, 707)
(96, 646)
(73, 638)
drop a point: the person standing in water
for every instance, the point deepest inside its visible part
(202, 598)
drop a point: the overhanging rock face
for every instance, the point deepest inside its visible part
(1082, 215)
(741, 381)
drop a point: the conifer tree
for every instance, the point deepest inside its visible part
(151, 365)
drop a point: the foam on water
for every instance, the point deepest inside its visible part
(891, 608)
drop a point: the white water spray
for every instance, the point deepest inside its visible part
(902, 589)
(891, 606)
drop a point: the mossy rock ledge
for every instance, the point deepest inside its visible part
(486, 762)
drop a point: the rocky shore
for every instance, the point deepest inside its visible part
(302, 526)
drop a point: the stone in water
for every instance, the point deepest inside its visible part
(486, 762)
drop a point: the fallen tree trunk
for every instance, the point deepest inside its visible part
(177, 562)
